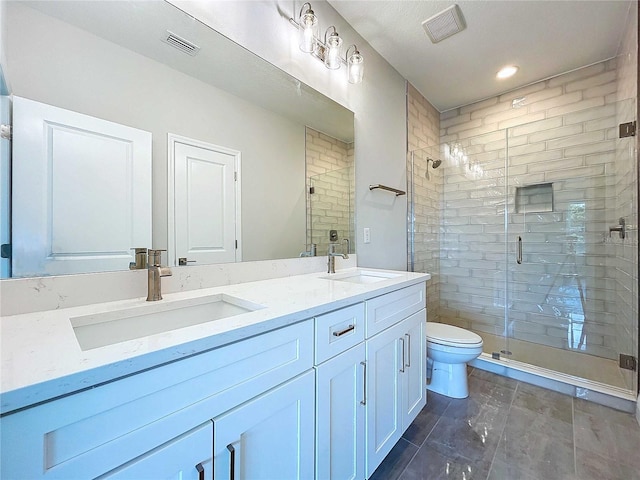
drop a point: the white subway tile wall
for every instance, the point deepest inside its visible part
(330, 172)
(576, 287)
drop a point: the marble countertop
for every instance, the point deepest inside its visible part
(41, 358)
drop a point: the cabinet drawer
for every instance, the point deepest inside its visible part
(92, 432)
(388, 309)
(338, 331)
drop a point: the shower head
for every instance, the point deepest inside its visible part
(435, 164)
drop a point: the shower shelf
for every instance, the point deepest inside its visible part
(388, 189)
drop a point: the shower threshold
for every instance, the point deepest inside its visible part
(610, 396)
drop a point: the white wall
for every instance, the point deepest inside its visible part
(378, 104)
(70, 68)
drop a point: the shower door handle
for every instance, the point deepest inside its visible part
(519, 254)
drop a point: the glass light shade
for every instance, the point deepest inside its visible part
(308, 31)
(355, 67)
(333, 52)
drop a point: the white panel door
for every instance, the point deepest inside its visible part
(414, 389)
(384, 395)
(340, 419)
(81, 191)
(206, 203)
(270, 437)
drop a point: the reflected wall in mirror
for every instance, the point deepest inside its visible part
(331, 192)
(110, 60)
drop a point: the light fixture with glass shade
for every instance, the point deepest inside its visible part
(308, 29)
(355, 65)
(333, 49)
(328, 51)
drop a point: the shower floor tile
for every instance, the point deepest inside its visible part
(509, 430)
(578, 364)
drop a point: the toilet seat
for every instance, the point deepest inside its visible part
(449, 335)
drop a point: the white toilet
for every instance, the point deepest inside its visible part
(449, 349)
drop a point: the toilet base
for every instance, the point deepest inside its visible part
(449, 379)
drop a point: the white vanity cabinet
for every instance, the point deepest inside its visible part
(147, 419)
(269, 437)
(188, 457)
(396, 362)
(340, 394)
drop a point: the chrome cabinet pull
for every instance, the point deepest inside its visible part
(408, 364)
(200, 470)
(232, 462)
(519, 256)
(402, 367)
(364, 383)
(350, 328)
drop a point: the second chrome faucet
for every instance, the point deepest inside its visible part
(332, 254)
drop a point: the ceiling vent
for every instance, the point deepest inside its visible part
(180, 43)
(444, 24)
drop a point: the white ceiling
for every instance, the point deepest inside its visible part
(544, 38)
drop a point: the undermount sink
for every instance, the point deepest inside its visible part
(102, 329)
(362, 276)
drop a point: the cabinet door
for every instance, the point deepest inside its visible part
(340, 417)
(271, 436)
(384, 420)
(188, 457)
(414, 392)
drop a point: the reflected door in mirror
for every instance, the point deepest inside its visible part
(206, 202)
(81, 191)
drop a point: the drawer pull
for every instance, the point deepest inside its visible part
(402, 367)
(364, 383)
(232, 462)
(200, 470)
(350, 328)
(408, 364)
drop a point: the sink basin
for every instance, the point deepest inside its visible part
(362, 276)
(101, 329)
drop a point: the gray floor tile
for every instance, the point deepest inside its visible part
(538, 445)
(592, 466)
(494, 378)
(436, 461)
(508, 430)
(470, 428)
(503, 471)
(395, 462)
(612, 434)
(546, 402)
(490, 392)
(427, 418)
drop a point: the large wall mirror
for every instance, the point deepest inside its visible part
(114, 61)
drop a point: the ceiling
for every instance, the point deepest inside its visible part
(544, 38)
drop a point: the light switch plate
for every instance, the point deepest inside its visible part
(367, 235)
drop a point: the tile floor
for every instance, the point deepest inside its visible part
(509, 430)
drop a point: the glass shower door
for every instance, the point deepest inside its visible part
(570, 281)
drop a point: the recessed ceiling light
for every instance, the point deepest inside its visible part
(506, 72)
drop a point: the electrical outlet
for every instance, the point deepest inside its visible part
(367, 235)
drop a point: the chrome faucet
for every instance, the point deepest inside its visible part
(332, 254)
(141, 259)
(155, 272)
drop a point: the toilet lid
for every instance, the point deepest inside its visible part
(448, 334)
